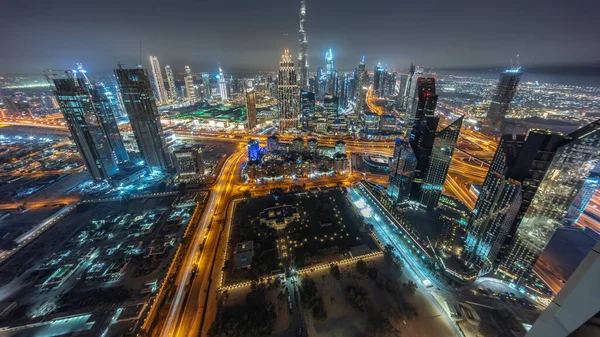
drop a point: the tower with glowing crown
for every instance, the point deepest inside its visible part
(302, 47)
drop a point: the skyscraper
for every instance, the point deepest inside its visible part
(78, 109)
(108, 121)
(251, 109)
(171, 81)
(189, 85)
(505, 91)
(361, 90)
(426, 102)
(159, 82)
(307, 106)
(207, 89)
(223, 85)
(144, 117)
(286, 92)
(439, 163)
(378, 81)
(402, 170)
(302, 50)
(411, 93)
(574, 157)
(329, 73)
(499, 202)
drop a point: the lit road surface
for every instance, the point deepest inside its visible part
(190, 317)
(388, 233)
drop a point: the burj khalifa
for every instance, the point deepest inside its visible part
(303, 45)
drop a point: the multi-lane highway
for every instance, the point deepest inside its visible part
(185, 313)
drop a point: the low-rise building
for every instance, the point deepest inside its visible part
(244, 253)
(278, 217)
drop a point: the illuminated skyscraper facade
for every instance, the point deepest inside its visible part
(439, 163)
(307, 106)
(108, 121)
(302, 50)
(86, 129)
(505, 92)
(411, 96)
(362, 86)
(251, 109)
(223, 86)
(159, 82)
(378, 81)
(574, 157)
(144, 117)
(207, 88)
(402, 170)
(330, 77)
(287, 90)
(171, 81)
(189, 85)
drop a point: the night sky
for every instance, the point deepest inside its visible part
(250, 35)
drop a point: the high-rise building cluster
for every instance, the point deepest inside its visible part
(419, 165)
(89, 110)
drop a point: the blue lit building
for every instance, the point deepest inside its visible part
(253, 150)
(585, 194)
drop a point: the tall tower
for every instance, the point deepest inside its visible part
(286, 92)
(222, 85)
(189, 85)
(77, 106)
(107, 119)
(361, 90)
(251, 109)
(144, 117)
(402, 170)
(505, 92)
(302, 50)
(206, 83)
(411, 93)
(441, 155)
(329, 73)
(171, 81)
(573, 159)
(159, 82)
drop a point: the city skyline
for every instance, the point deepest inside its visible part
(357, 189)
(261, 35)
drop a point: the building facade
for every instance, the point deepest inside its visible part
(251, 120)
(505, 92)
(144, 117)
(159, 82)
(86, 129)
(189, 85)
(287, 90)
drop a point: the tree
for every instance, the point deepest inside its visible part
(361, 267)
(378, 325)
(388, 254)
(409, 288)
(334, 270)
(372, 273)
(357, 296)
